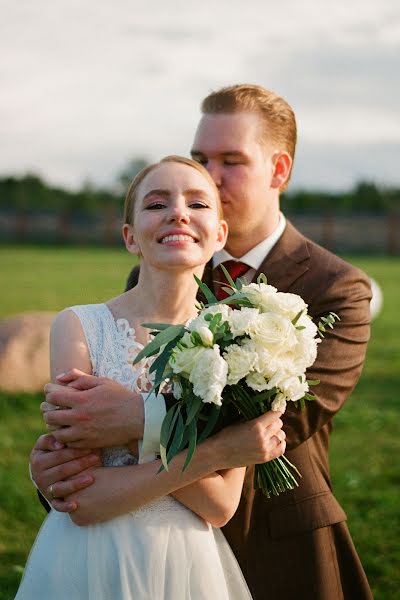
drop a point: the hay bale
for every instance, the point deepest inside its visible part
(24, 352)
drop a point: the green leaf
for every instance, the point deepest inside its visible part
(196, 339)
(192, 443)
(262, 278)
(313, 381)
(177, 439)
(227, 275)
(297, 317)
(211, 299)
(157, 326)
(194, 404)
(173, 332)
(211, 422)
(160, 365)
(166, 430)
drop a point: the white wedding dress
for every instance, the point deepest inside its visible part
(163, 551)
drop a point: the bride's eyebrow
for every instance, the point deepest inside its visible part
(157, 192)
(195, 192)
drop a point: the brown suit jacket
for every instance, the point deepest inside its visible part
(297, 546)
(280, 542)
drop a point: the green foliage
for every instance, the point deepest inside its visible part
(365, 441)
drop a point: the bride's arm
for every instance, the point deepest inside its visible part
(211, 486)
(214, 496)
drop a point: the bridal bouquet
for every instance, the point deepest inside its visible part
(250, 351)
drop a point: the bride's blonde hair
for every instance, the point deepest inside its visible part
(133, 188)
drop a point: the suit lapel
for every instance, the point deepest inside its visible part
(287, 261)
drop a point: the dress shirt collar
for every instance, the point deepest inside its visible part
(256, 255)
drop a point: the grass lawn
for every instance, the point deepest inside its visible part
(365, 442)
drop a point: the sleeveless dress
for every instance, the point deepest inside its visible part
(163, 551)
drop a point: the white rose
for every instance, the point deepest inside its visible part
(279, 403)
(241, 361)
(257, 382)
(275, 332)
(286, 304)
(243, 321)
(268, 362)
(209, 375)
(293, 388)
(183, 361)
(259, 293)
(310, 329)
(200, 321)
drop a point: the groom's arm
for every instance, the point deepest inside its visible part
(341, 353)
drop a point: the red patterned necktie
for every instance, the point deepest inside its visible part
(235, 269)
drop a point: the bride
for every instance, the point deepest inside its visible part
(137, 533)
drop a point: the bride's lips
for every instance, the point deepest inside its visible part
(177, 237)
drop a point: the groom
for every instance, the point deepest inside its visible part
(296, 545)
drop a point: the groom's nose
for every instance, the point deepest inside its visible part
(215, 171)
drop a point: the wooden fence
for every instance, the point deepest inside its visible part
(354, 233)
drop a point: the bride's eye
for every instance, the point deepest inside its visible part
(196, 204)
(155, 206)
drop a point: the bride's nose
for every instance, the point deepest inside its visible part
(179, 213)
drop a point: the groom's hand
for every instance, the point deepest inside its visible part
(58, 471)
(92, 412)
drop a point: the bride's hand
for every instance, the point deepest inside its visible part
(252, 442)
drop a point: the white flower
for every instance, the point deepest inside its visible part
(259, 294)
(293, 388)
(257, 382)
(288, 305)
(274, 332)
(200, 321)
(310, 329)
(279, 403)
(268, 362)
(206, 336)
(184, 360)
(241, 361)
(209, 375)
(243, 321)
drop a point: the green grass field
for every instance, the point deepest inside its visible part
(365, 442)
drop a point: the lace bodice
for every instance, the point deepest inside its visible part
(112, 348)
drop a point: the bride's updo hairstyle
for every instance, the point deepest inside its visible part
(134, 186)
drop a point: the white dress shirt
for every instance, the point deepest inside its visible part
(154, 405)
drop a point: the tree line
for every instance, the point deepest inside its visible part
(32, 193)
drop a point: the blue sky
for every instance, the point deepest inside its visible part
(87, 85)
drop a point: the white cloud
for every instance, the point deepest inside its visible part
(87, 85)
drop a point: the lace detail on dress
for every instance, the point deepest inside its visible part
(112, 348)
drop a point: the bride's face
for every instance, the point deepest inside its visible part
(176, 219)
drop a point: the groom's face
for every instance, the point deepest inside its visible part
(229, 146)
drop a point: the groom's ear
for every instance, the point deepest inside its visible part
(129, 238)
(282, 164)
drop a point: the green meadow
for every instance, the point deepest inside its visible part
(365, 442)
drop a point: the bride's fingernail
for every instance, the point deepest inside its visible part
(61, 375)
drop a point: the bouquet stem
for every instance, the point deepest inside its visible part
(275, 476)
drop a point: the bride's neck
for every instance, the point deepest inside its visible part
(166, 296)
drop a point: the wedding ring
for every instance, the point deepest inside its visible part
(51, 491)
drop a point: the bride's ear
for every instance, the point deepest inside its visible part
(129, 238)
(222, 235)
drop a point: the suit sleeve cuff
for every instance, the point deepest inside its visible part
(154, 413)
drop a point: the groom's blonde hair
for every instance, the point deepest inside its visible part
(277, 116)
(131, 195)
